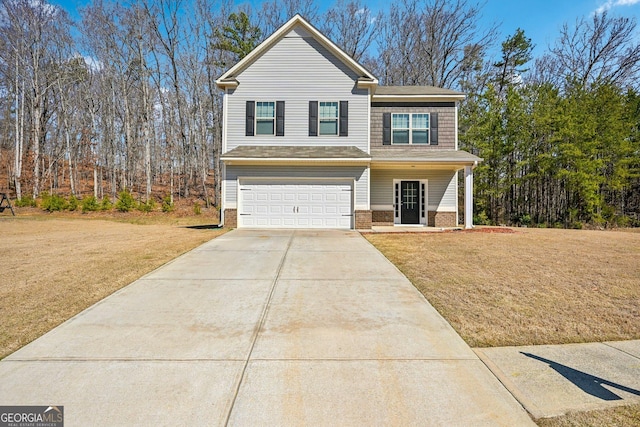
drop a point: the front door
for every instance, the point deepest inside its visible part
(410, 202)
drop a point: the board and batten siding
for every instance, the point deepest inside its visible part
(442, 187)
(359, 174)
(297, 69)
(446, 126)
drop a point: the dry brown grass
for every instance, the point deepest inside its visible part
(622, 416)
(535, 286)
(53, 267)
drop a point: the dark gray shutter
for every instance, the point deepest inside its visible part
(434, 128)
(344, 118)
(386, 128)
(279, 118)
(250, 117)
(313, 118)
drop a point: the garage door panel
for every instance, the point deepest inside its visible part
(291, 204)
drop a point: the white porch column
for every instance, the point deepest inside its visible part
(468, 197)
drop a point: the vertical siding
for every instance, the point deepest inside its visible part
(441, 187)
(358, 173)
(298, 69)
(446, 126)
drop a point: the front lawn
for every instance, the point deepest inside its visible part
(54, 266)
(533, 286)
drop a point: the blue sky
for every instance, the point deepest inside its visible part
(541, 20)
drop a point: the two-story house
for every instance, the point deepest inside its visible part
(311, 141)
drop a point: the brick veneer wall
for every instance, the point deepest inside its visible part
(442, 219)
(231, 218)
(436, 219)
(363, 220)
(382, 217)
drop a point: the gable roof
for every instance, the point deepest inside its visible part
(228, 79)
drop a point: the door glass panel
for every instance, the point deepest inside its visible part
(410, 196)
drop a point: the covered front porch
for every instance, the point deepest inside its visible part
(419, 188)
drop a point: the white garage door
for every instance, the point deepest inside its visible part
(295, 204)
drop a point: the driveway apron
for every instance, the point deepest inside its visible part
(257, 327)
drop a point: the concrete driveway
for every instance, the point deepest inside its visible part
(262, 328)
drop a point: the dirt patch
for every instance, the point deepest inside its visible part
(56, 266)
(535, 286)
(494, 230)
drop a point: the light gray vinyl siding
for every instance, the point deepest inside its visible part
(297, 69)
(441, 187)
(359, 173)
(446, 126)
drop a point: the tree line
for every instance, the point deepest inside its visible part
(123, 97)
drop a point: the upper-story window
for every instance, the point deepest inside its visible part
(329, 118)
(410, 128)
(328, 113)
(265, 118)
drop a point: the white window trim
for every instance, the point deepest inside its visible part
(337, 119)
(424, 207)
(411, 129)
(255, 125)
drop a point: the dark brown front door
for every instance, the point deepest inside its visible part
(410, 198)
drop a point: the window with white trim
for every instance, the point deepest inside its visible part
(328, 116)
(265, 118)
(410, 128)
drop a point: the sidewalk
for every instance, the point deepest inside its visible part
(551, 380)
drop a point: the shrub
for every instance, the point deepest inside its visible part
(197, 208)
(106, 204)
(148, 206)
(167, 204)
(53, 202)
(90, 204)
(73, 203)
(481, 218)
(125, 202)
(525, 219)
(622, 221)
(26, 201)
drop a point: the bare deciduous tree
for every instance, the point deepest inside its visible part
(603, 49)
(425, 42)
(352, 26)
(274, 14)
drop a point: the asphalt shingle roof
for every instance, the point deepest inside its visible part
(296, 152)
(414, 90)
(421, 154)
